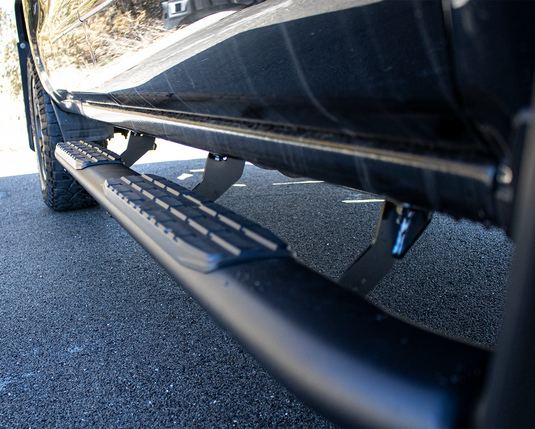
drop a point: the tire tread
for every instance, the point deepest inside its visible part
(61, 191)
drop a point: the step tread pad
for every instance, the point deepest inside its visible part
(80, 154)
(197, 232)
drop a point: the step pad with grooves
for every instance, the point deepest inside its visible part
(79, 154)
(196, 232)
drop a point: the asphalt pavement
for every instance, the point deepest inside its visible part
(94, 333)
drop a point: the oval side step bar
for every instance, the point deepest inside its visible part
(347, 358)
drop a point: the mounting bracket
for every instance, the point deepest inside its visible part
(138, 145)
(220, 173)
(397, 230)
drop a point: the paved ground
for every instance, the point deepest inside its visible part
(95, 333)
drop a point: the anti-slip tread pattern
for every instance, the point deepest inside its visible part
(81, 154)
(195, 231)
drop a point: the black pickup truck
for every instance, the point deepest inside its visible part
(427, 103)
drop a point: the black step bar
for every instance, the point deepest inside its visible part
(341, 354)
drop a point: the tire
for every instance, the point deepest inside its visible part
(60, 190)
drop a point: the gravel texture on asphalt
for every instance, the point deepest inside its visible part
(94, 333)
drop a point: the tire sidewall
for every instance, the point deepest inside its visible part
(60, 190)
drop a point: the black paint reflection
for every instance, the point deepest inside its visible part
(183, 12)
(338, 70)
(64, 46)
(124, 27)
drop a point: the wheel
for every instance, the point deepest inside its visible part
(60, 190)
